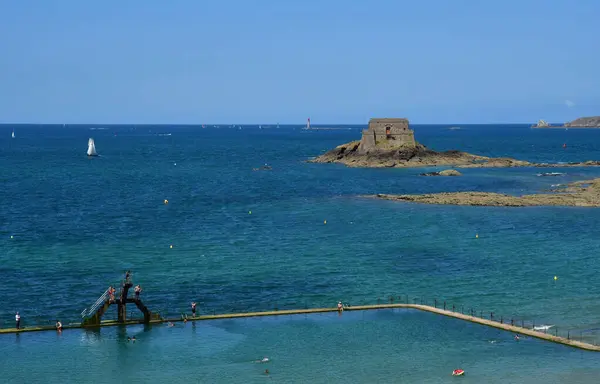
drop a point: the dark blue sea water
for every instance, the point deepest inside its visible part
(254, 240)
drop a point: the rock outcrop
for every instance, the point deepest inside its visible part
(585, 122)
(391, 143)
(446, 172)
(579, 194)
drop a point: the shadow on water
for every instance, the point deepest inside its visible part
(92, 335)
(122, 334)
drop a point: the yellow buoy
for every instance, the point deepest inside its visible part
(477, 235)
(170, 246)
(166, 201)
(555, 278)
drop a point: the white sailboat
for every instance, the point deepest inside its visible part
(91, 148)
(13, 134)
(307, 124)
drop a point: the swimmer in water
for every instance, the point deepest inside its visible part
(171, 324)
(516, 337)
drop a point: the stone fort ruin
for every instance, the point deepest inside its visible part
(387, 133)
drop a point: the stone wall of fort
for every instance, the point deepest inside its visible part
(387, 132)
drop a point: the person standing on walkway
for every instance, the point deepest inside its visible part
(18, 320)
(127, 276)
(194, 309)
(137, 290)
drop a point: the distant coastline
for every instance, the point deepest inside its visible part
(326, 129)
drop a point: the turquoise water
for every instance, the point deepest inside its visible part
(78, 223)
(382, 346)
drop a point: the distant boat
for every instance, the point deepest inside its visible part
(13, 134)
(307, 125)
(542, 327)
(91, 148)
(550, 174)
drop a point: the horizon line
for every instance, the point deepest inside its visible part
(246, 124)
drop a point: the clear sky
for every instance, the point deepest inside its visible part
(268, 61)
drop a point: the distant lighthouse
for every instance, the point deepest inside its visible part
(307, 124)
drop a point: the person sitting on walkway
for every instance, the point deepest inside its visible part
(340, 307)
(58, 325)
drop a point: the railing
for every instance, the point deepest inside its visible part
(101, 300)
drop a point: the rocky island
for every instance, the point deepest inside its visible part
(577, 194)
(391, 143)
(584, 122)
(445, 172)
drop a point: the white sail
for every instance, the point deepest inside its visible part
(91, 148)
(308, 124)
(13, 134)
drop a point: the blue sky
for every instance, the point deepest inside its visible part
(267, 61)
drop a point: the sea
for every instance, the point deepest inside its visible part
(235, 219)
